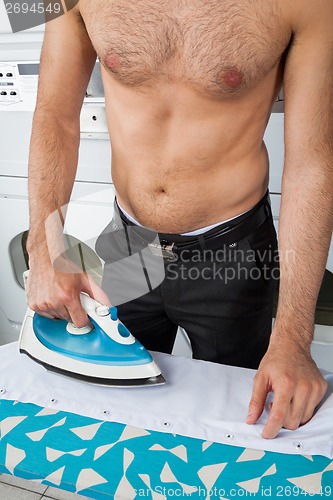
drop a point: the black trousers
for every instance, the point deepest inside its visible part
(218, 286)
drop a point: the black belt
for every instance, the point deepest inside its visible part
(228, 233)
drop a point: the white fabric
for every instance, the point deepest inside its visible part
(196, 232)
(200, 399)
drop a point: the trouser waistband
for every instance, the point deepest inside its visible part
(224, 234)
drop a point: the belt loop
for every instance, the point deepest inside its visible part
(202, 242)
(128, 240)
(267, 206)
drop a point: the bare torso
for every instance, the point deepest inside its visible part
(189, 86)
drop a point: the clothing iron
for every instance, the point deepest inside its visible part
(104, 352)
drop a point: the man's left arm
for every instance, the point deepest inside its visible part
(306, 220)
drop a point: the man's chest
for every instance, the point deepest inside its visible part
(219, 47)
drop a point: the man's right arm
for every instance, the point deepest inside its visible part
(67, 61)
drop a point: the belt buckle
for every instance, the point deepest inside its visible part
(163, 250)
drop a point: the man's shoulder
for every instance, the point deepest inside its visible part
(309, 15)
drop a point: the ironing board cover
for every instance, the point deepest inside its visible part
(105, 460)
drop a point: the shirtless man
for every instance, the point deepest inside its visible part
(189, 85)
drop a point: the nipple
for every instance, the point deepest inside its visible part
(112, 61)
(233, 78)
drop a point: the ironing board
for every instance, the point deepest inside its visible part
(106, 460)
(127, 444)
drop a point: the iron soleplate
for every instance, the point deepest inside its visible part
(109, 382)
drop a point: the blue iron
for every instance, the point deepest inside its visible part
(104, 352)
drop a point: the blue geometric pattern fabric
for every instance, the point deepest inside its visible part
(106, 460)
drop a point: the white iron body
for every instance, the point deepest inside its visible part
(142, 371)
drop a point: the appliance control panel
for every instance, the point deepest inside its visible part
(18, 92)
(18, 85)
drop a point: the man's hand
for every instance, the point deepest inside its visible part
(57, 294)
(297, 384)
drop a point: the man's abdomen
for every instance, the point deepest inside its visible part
(184, 197)
(183, 162)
